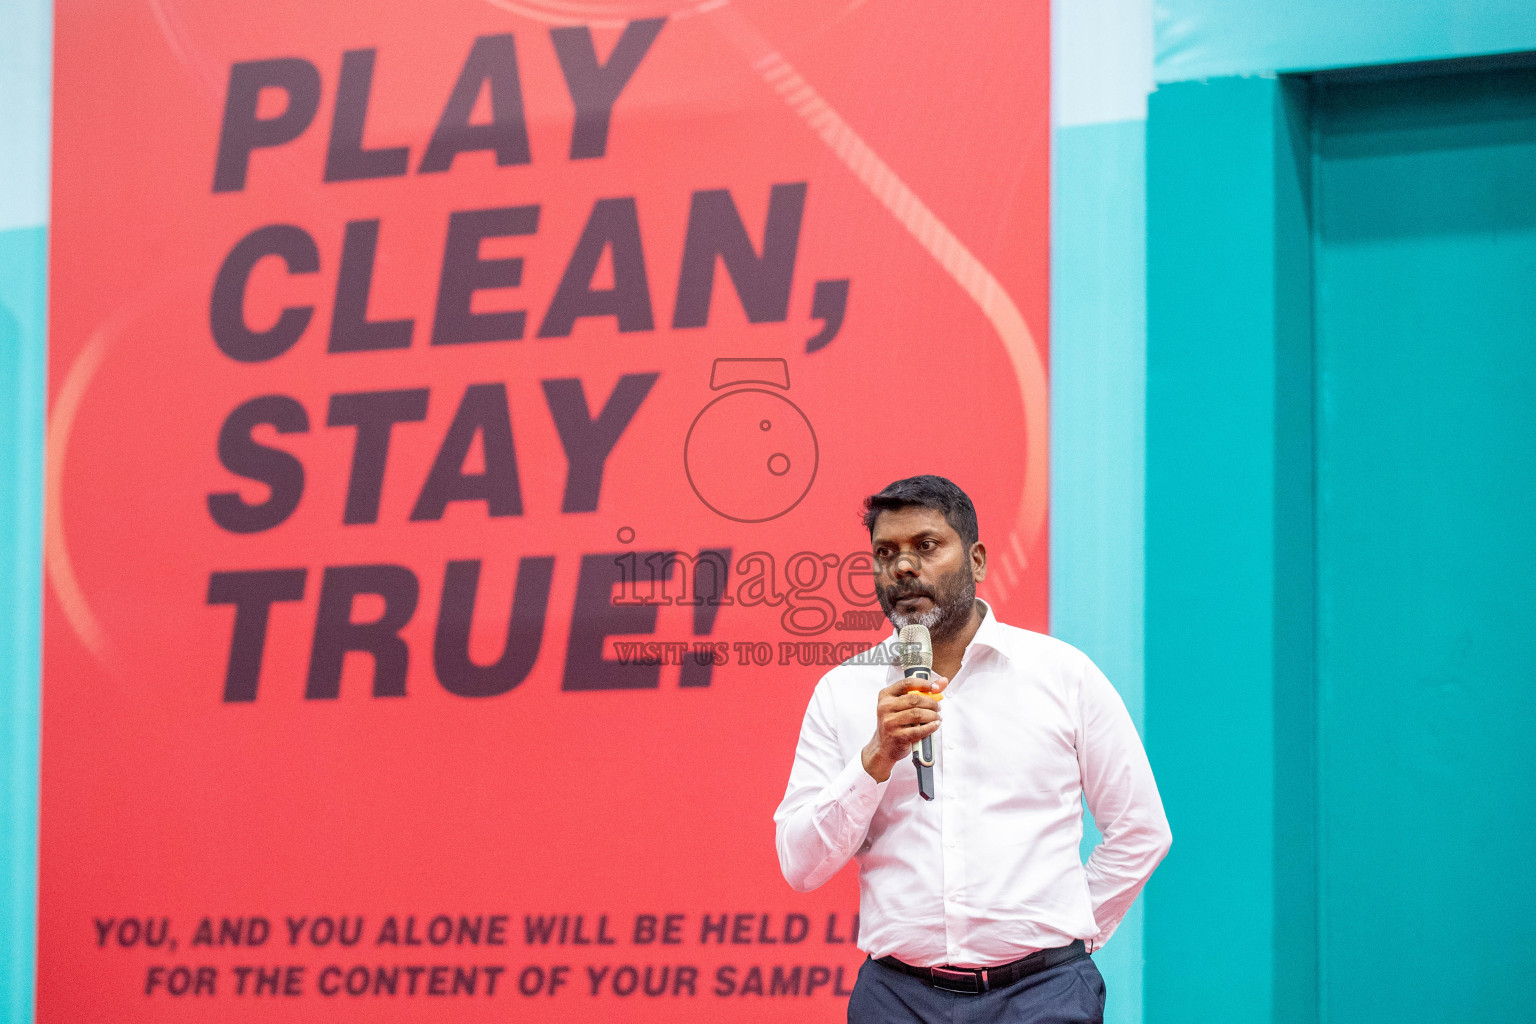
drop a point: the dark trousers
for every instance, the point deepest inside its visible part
(1069, 993)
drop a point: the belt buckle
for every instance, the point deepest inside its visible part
(964, 980)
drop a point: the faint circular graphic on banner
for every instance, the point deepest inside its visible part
(596, 13)
(751, 455)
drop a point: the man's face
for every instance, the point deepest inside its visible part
(923, 572)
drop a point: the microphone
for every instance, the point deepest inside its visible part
(914, 648)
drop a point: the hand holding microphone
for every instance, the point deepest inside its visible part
(906, 715)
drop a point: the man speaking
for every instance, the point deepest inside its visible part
(973, 906)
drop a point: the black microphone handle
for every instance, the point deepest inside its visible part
(925, 787)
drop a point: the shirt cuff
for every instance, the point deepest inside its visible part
(856, 791)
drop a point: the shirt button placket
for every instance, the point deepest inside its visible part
(946, 857)
(954, 871)
(946, 854)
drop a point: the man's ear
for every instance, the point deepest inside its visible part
(979, 561)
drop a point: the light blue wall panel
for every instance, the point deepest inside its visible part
(1209, 38)
(25, 83)
(23, 367)
(26, 57)
(1098, 380)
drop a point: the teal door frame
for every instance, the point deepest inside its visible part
(1230, 919)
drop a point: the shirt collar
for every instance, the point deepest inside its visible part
(989, 634)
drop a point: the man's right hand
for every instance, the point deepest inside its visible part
(901, 719)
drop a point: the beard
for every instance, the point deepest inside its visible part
(953, 598)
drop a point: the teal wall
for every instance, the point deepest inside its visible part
(25, 60)
(1231, 716)
(1309, 871)
(1213, 38)
(1231, 917)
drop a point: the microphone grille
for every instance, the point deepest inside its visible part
(914, 647)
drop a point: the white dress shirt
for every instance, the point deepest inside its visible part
(989, 870)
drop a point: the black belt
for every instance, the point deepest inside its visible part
(973, 981)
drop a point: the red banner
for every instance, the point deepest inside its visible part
(459, 417)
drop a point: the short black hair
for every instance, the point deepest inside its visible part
(926, 491)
